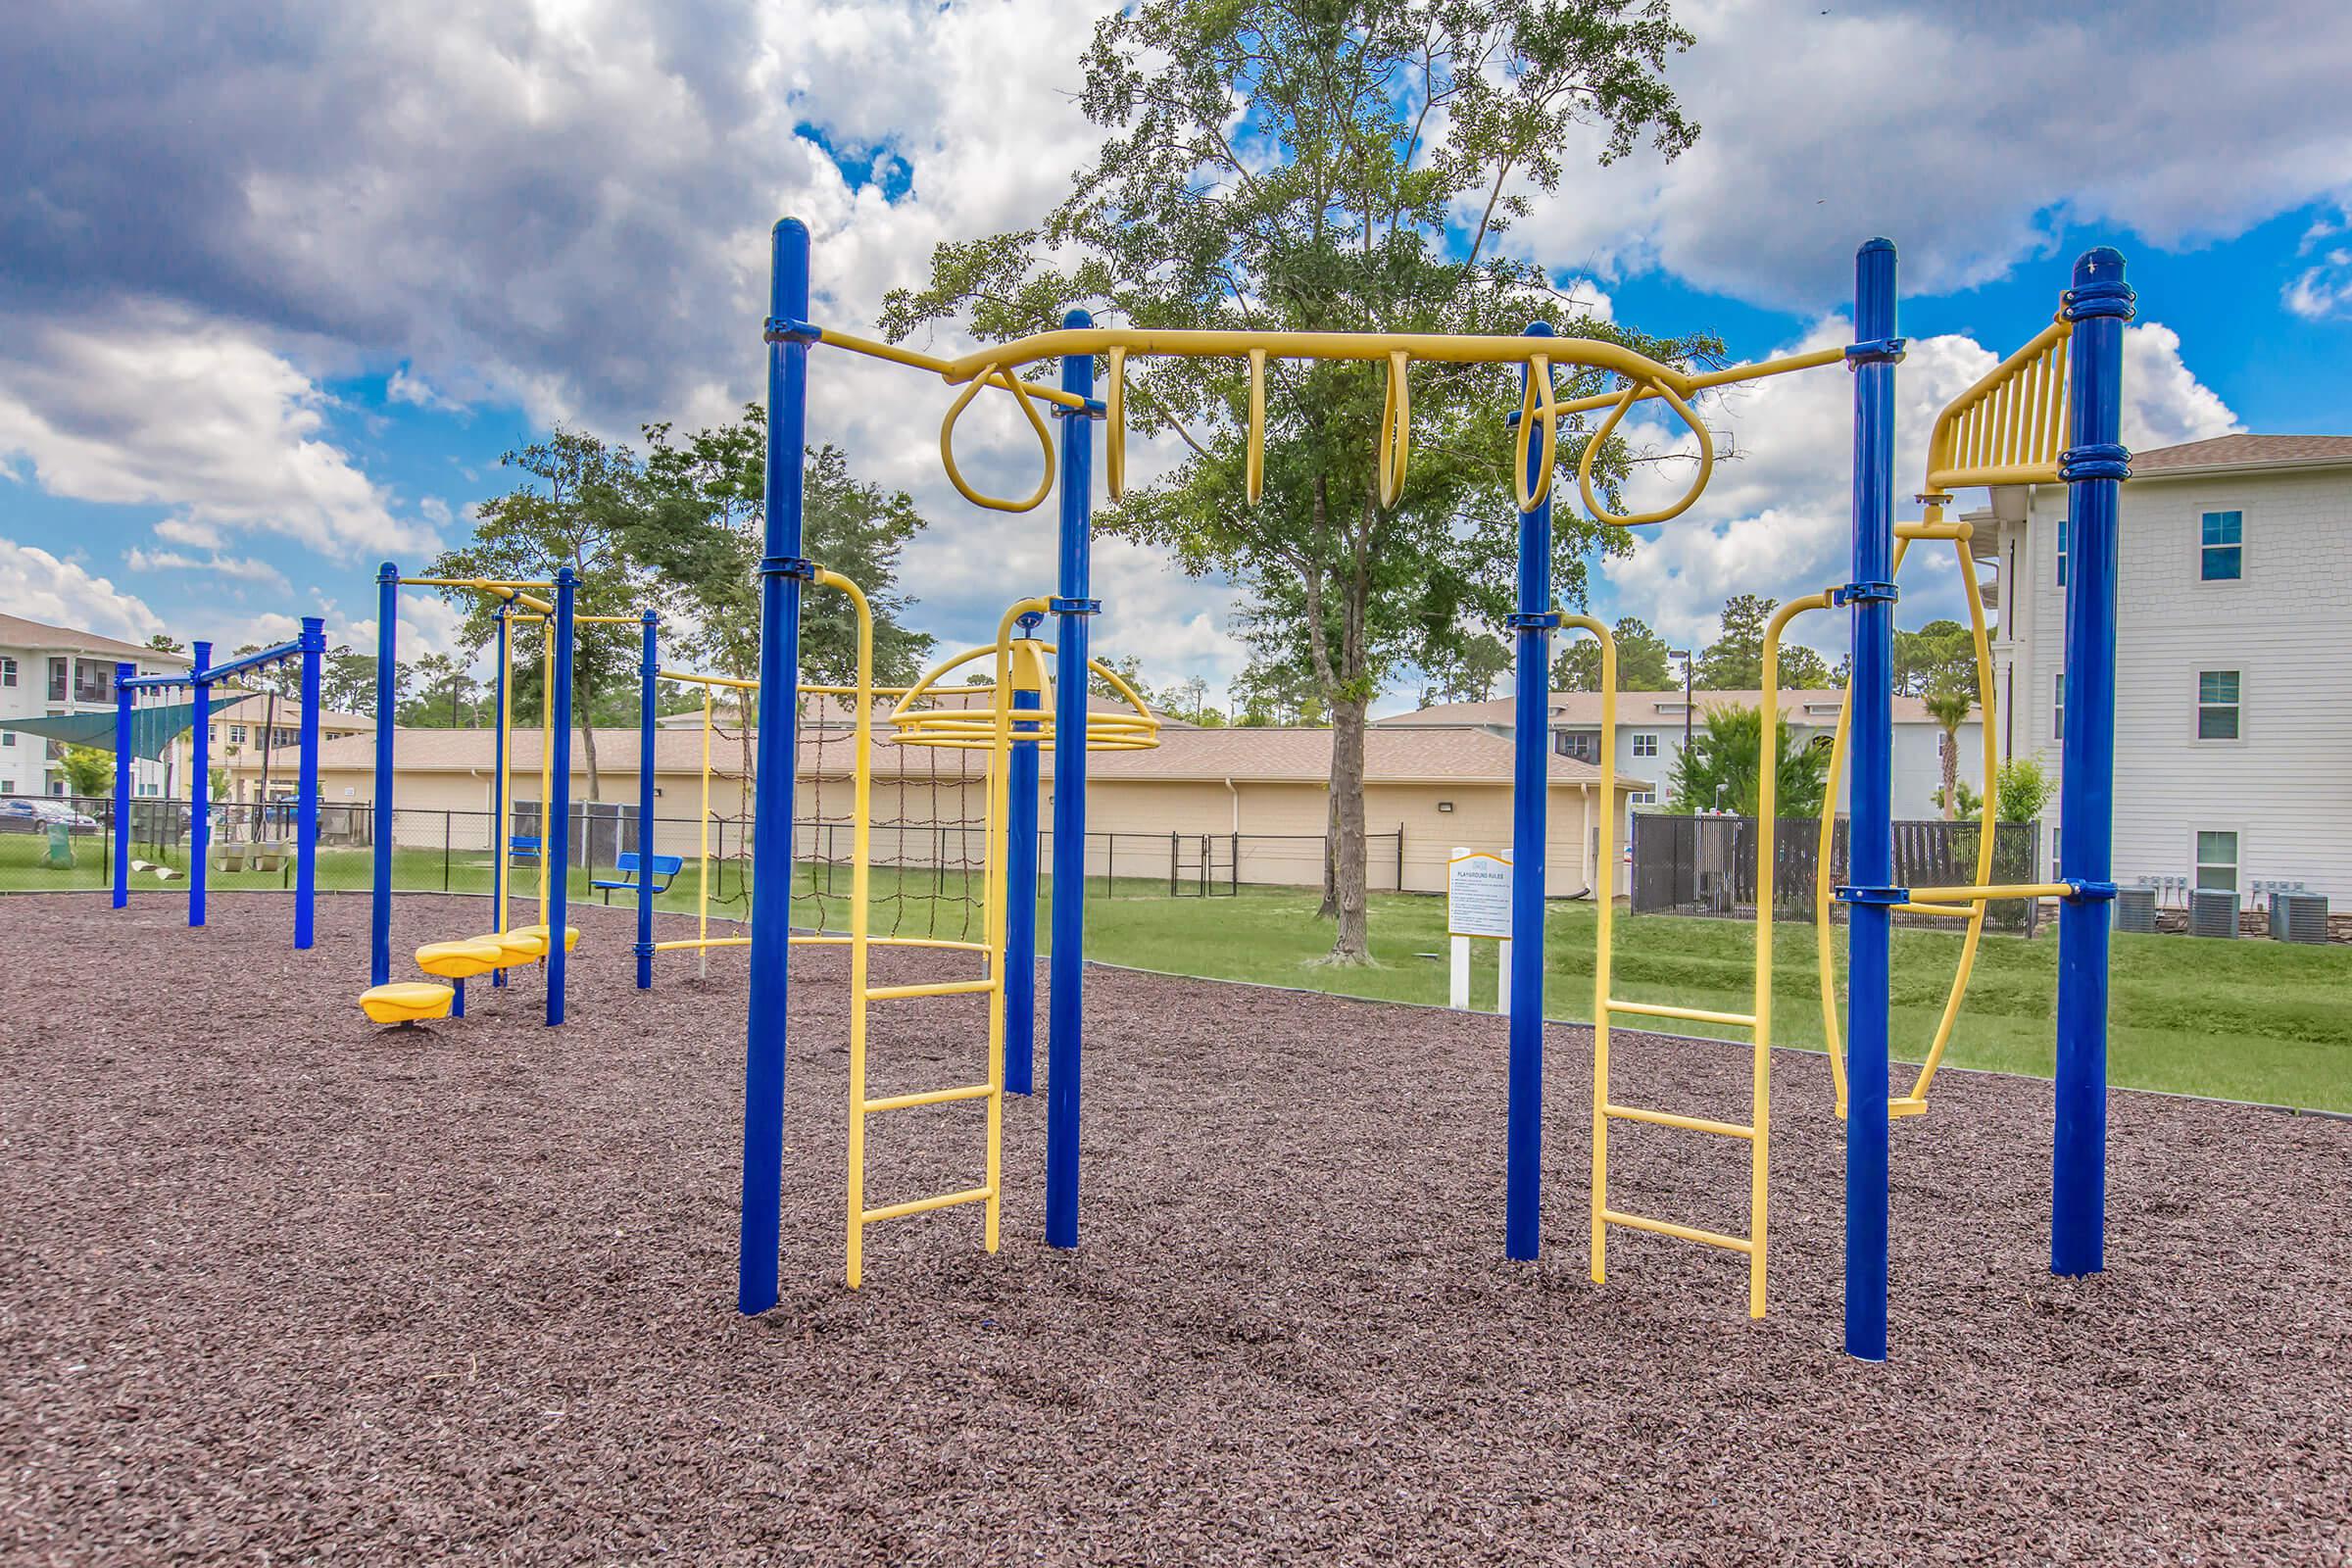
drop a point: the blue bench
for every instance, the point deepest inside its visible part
(665, 867)
(524, 847)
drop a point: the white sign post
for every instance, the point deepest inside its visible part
(1478, 903)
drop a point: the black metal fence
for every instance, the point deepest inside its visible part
(1707, 865)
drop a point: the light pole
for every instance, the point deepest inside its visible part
(1684, 654)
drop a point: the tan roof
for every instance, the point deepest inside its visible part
(1304, 755)
(18, 632)
(2243, 452)
(289, 713)
(675, 750)
(1576, 709)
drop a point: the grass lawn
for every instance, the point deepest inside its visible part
(2241, 1020)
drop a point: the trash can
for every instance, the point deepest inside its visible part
(61, 846)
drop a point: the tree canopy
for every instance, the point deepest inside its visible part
(1644, 661)
(1722, 767)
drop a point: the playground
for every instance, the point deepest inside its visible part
(303, 1286)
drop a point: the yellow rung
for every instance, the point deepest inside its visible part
(1999, 890)
(933, 988)
(1687, 1233)
(1660, 1009)
(925, 1205)
(1667, 1118)
(1948, 911)
(929, 1097)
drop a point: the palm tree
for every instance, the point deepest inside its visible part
(1948, 703)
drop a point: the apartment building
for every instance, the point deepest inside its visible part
(48, 670)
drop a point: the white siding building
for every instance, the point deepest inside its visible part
(47, 671)
(2233, 700)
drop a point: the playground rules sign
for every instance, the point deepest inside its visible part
(1478, 895)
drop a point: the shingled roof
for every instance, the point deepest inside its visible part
(2229, 452)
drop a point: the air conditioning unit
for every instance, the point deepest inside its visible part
(2299, 917)
(2135, 910)
(2212, 912)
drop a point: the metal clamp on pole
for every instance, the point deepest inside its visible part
(1865, 593)
(784, 329)
(1535, 621)
(2090, 892)
(2101, 297)
(2104, 459)
(1095, 409)
(799, 567)
(1876, 351)
(1885, 896)
(1074, 607)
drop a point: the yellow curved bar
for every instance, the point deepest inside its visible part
(1036, 422)
(1599, 438)
(1253, 446)
(1114, 447)
(1395, 427)
(1536, 402)
(1689, 385)
(898, 354)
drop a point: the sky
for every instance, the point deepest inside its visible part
(278, 287)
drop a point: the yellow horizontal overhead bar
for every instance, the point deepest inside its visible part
(949, 369)
(1691, 384)
(710, 680)
(607, 621)
(1999, 890)
(512, 592)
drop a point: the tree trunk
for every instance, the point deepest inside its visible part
(588, 747)
(1353, 943)
(1951, 775)
(1330, 909)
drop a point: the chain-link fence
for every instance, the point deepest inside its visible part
(1707, 865)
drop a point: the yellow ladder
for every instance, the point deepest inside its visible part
(1756, 1131)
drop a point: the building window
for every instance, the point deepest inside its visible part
(2221, 548)
(8, 736)
(1645, 745)
(236, 734)
(57, 678)
(2061, 552)
(2217, 860)
(2058, 710)
(93, 682)
(1642, 797)
(2217, 705)
(1582, 745)
(8, 672)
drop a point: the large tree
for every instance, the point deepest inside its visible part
(1329, 166)
(1645, 664)
(569, 511)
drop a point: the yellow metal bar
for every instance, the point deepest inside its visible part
(1999, 890)
(1691, 384)
(931, 988)
(2006, 427)
(1604, 933)
(831, 939)
(1660, 1009)
(711, 681)
(503, 916)
(696, 943)
(860, 891)
(1956, 912)
(929, 1097)
(1687, 1233)
(1934, 530)
(607, 621)
(924, 1205)
(547, 757)
(946, 368)
(701, 873)
(1667, 1118)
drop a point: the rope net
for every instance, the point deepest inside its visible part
(929, 845)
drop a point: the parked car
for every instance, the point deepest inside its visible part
(26, 815)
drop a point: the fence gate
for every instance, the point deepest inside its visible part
(1204, 865)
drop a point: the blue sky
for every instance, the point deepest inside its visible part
(282, 287)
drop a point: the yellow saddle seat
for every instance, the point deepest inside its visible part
(405, 1002)
(527, 942)
(461, 960)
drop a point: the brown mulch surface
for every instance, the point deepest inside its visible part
(277, 1287)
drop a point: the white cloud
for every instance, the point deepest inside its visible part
(237, 569)
(1966, 133)
(38, 585)
(152, 405)
(187, 531)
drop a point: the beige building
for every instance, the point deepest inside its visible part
(1249, 804)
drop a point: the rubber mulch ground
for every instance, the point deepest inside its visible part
(276, 1287)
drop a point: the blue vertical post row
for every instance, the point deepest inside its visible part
(305, 793)
(1020, 872)
(649, 675)
(1870, 854)
(2092, 465)
(200, 787)
(1531, 789)
(125, 696)
(555, 831)
(781, 569)
(1064, 997)
(379, 880)
(498, 785)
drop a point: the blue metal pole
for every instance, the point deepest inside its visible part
(2099, 304)
(1020, 886)
(306, 802)
(498, 788)
(123, 699)
(781, 570)
(1870, 855)
(1064, 998)
(1530, 788)
(554, 832)
(649, 675)
(380, 893)
(200, 789)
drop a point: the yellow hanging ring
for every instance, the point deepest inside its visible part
(1253, 463)
(1600, 437)
(1535, 403)
(1395, 430)
(1115, 450)
(996, 374)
